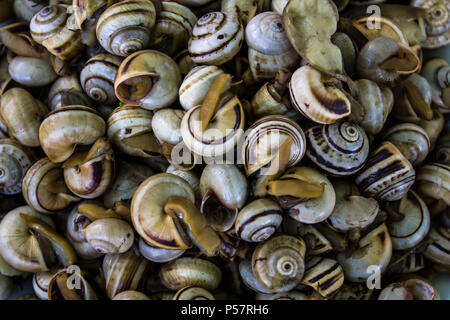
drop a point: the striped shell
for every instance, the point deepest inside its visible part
(193, 293)
(40, 175)
(340, 149)
(258, 220)
(48, 22)
(185, 272)
(196, 84)
(387, 174)
(15, 159)
(216, 38)
(438, 250)
(278, 263)
(173, 28)
(265, 33)
(97, 78)
(314, 100)
(323, 275)
(413, 228)
(265, 137)
(125, 27)
(433, 182)
(437, 22)
(124, 271)
(66, 91)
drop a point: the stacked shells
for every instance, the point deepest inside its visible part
(234, 149)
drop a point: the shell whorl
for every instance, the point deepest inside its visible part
(48, 22)
(340, 149)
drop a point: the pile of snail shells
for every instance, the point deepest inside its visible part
(200, 149)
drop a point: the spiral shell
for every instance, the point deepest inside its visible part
(196, 84)
(186, 271)
(437, 72)
(339, 149)
(193, 293)
(131, 295)
(67, 127)
(66, 91)
(442, 150)
(85, 291)
(15, 160)
(437, 22)
(324, 275)
(438, 250)
(278, 263)
(264, 139)
(433, 182)
(109, 235)
(387, 174)
(48, 22)
(413, 137)
(149, 79)
(314, 100)
(124, 271)
(40, 284)
(173, 28)
(22, 115)
(265, 34)
(258, 220)
(36, 182)
(265, 66)
(31, 72)
(124, 27)
(97, 78)
(158, 255)
(413, 228)
(216, 38)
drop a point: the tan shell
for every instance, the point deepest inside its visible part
(216, 38)
(265, 66)
(193, 293)
(156, 72)
(437, 22)
(438, 250)
(67, 91)
(31, 72)
(65, 128)
(26, 9)
(22, 115)
(244, 9)
(433, 182)
(109, 235)
(316, 101)
(131, 295)
(86, 292)
(48, 22)
(186, 271)
(124, 27)
(323, 275)
(387, 174)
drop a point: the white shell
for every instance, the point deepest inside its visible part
(216, 38)
(48, 22)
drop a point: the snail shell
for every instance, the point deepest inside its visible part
(190, 177)
(109, 235)
(158, 255)
(387, 174)
(149, 79)
(437, 22)
(351, 211)
(166, 125)
(124, 27)
(413, 137)
(20, 248)
(67, 91)
(38, 178)
(433, 182)
(193, 3)
(31, 72)
(40, 283)
(184, 61)
(411, 289)
(244, 9)
(323, 275)
(65, 128)
(15, 160)
(97, 78)
(438, 250)
(442, 149)
(223, 132)
(264, 139)
(85, 292)
(196, 84)
(437, 72)
(258, 220)
(127, 122)
(413, 228)
(216, 38)
(173, 28)
(265, 66)
(193, 293)
(278, 263)
(356, 267)
(131, 295)
(186, 272)
(22, 115)
(265, 34)
(124, 271)
(340, 149)
(26, 9)
(314, 100)
(48, 22)
(278, 6)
